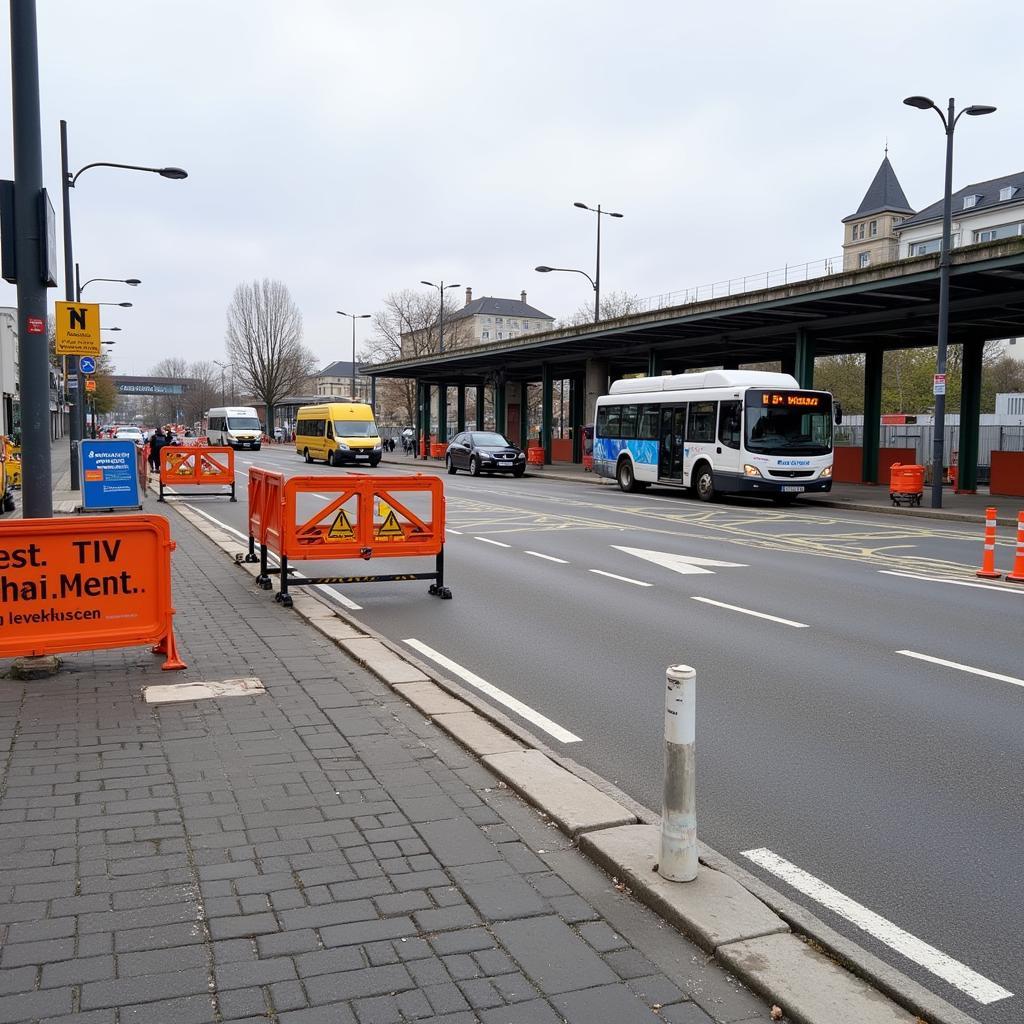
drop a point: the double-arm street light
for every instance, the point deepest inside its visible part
(441, 288)
(354, 317)
(68, 180)
(595, 281)
(949, 120)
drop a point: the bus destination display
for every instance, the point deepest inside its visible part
(791, 400)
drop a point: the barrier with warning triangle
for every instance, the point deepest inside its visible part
(363, 517)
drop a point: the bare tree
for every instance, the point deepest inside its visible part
(613, 304)
(264, 341)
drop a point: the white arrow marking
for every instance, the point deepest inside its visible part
(686, 564)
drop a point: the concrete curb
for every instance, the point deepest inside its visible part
(727, 911)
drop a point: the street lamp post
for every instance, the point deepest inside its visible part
(68, 180)
(597, 270)
(949, 120)
(223, 367)
(354, 317)
(441, 288)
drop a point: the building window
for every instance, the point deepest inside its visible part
(864, 260)
(925, 248)
(897, 220)
(486, 335)
(1001, 231)
(873, 228)
(501, 335)
(970, 202)
(488, 319)
(1007, 193)
(498, 320)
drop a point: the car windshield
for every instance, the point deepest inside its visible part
(788, 422)
(490, 440)
(243, 423)
(355, 428)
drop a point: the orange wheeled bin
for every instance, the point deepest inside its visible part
(906, 484)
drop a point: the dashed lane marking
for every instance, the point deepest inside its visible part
(749, 611)
(548, 558)
(624, 579)
(521, 709)
(964, 668)
(496, 543)
(978, 987)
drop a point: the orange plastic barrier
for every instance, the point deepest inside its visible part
(364, 517)
(1017, 576)
(906, 484)
(988, 557)
(437, 450)
(588, 463)
(535, 456)
(86, 584)
(1007, 474)
(196, 466)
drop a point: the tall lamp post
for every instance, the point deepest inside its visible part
(68, 180)
(354, 317)
(441, 288)
(223, 367)
(949, 120)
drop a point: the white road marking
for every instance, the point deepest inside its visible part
(686, 564)
(448, 529)
(521, 709)
(624, 579)
(496, 543)
(940, 964)
(549, 558)
(248, 462)
(963, 668)
(956, 583)
(322, 587)
(748, 611)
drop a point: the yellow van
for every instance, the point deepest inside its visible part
(338, 432)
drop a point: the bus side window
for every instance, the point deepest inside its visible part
(701, 423)
(729, 424)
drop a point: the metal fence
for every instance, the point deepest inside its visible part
(919, 437)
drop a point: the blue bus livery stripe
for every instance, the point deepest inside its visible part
(644, 453)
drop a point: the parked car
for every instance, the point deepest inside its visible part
(130, 434)
(484, 451)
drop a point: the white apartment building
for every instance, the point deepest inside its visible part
(490, 319)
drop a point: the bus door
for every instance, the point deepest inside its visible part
(670, 450)
(700, 437)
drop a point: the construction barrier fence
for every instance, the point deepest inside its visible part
(197, 466)
(364, 517)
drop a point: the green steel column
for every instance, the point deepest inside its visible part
(423, 412)
(500, 419)
(804, 359)
(872, 415)
(480, 424)
(460, 408)
(655, 363)
(789, 363)
(546, 414)
(970, 417)
(442, 413)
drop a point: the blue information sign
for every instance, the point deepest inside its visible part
(110, 475)
(87, 364)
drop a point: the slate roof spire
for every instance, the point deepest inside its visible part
(884, 194)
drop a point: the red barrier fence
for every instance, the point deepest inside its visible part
(197, 467)
(364, 517)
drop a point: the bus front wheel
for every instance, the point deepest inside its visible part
(626, 477)
(704, 482)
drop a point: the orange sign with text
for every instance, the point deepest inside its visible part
(86, 584)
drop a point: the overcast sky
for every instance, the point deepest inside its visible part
(351, 149)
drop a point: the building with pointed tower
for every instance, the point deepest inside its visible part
(869, 235)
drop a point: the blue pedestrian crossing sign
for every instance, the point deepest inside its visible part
(87, 364)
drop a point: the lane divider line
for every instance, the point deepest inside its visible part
(956, 583)
(978, 987)
(322, 587)
(448, 529)
(548, 558)
(749, 611)
(496, 543)
(503, 698)
(624, 579)
(963, 668)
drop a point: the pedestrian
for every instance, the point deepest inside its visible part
(156, 442)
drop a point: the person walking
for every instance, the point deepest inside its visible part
(156, 442)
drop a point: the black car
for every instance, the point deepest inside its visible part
(484, 451)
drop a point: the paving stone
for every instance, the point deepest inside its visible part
(602, 938)
(629, 963)
(128, 991)
(457, 842)
(370, 981)
(445, 998)
(687, 1013)
(446, 918)
(607, 1004)
(504, 898)
(467, 941)
(287, 995)
(262, 972)
(367, 931)
(552, 955)
(191, 1010)
(335, 1013)
(78, 971)
(535, 1011)
(242, 1002)
(480, 993)
(656, 988)
(378, 1010)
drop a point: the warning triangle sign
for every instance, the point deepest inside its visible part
(341, 528)
(390, 527)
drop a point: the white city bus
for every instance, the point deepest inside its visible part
(717, 432)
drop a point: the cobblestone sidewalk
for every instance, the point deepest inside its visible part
(319, 853)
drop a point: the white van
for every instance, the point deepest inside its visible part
(236, 426)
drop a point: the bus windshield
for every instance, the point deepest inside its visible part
(788, 422)
(243, 423)
(355, 428)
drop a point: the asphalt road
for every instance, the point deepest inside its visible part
(894, 780)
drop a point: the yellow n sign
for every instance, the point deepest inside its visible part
(78, 328)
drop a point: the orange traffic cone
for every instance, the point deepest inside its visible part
(988, 558)
(1017, 576)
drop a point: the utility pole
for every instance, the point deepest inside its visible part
(30, 225)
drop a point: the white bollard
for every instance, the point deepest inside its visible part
(678, 859)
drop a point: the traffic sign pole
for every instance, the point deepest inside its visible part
(69, 294)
